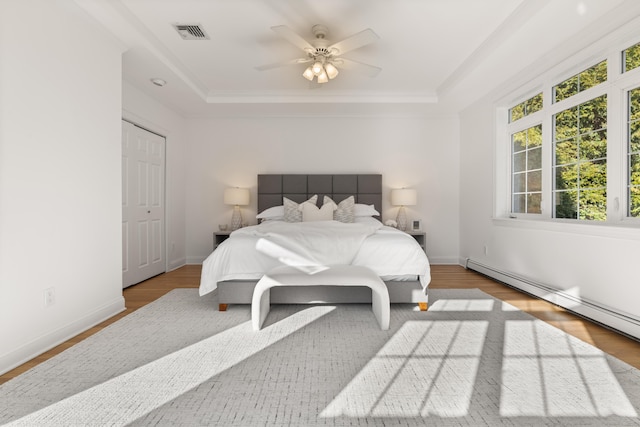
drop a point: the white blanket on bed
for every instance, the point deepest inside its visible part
(252, 251)
(304, 244)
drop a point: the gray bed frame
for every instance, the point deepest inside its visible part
(366, 189)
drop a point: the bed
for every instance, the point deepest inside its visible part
(236, 265)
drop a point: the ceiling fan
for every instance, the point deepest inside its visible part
(325, 59)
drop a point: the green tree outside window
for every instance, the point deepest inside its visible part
(580, 150)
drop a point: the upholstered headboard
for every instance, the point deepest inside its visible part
(366, 189)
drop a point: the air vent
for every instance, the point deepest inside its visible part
(191, 32)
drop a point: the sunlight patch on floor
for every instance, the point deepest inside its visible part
(426, 368)
(462, 305)
(153, 385)
(554, 374)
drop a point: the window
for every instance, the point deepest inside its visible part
(526, 156)
(525, 108)
(633, 150)
(631, 58)
(580, 161)
(526, 166)
(575, 156)
(580, 82)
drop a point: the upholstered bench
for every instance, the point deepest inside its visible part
(339, 275)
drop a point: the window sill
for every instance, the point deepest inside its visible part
(628, 230)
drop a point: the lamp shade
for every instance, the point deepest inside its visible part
(236, 196)
(404, 197)
(332, 71)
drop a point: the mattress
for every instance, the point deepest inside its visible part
(252, 251)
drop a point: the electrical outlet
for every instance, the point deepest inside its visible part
(49, 296)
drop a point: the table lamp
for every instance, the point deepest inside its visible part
(403, 197)
(236, 197)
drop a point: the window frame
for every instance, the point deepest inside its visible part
(524, 123)
(616, 87)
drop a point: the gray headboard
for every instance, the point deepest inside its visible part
(366, 189)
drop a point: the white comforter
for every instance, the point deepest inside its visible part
(252, 251)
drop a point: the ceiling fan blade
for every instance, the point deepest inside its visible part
(355, 41)
(361, 67)
(283, 64)
(293, 37)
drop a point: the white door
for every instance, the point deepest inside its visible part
(142, 204)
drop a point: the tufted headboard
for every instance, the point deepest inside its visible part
(367, 189)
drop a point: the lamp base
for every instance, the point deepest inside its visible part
(236, 218)
(401, 219)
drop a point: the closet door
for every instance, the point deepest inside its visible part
(143, 242)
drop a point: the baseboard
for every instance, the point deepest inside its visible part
(625, 323)
(25, 353)
(195, 260)
(443, 261)
(176, 264)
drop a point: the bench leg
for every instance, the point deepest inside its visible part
(260, 306)
(423, 306)
(381, 307)
(222, 307)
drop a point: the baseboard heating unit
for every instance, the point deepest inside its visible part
(624, 323)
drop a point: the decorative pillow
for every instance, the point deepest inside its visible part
(292, 211)
(365, 210)
(344, 209)
(310, 212)
(276, 212)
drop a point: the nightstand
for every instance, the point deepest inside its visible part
(421, 238)
(219, 237)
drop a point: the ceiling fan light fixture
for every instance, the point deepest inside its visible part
(317, 68)
(321, 56)
(308, 74)
(331, 70)
(322, 77)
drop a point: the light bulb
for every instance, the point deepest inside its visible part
(331, 70)
(322, 77)
(308, 74)
(317, 68)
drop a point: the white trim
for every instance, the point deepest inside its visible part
(36, 347)
(573, 226)
(623, 322)
(442, 260)
(222, 97)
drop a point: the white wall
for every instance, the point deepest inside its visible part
(416, 152)
(595, 263)
(60, 202)
(139, 108)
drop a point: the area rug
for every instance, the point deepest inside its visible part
(469, 360)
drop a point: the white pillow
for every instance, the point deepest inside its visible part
(310, 212)
(365, 210)
(344, 209)
(276, 212)
(292, 211)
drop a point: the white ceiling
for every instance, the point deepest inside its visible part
(435, 55)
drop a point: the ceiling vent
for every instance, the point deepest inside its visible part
(191, 32)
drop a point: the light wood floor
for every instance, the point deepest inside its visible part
(443, 277)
